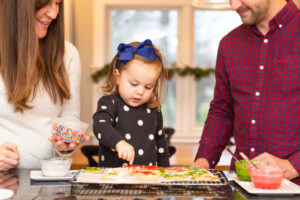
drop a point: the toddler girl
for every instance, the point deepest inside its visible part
(128, 122)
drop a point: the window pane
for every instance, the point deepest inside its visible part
(210, 28)
(161, 28)
(169, 105)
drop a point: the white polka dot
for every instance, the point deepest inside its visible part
(140, 122)
(126, 108)
(150, 164)
(111, 120)
(102, 120)
(113, 150)
(117, 118)
(151, 136)
(113, 101)
(102, 158)
(104, 107)
(160, 132)
(99, 136)
(148, 110)
(140, 152)
(128, 136)
(161, 150)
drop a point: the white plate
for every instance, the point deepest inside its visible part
(287, 187)
(6, 194)
(38, 176)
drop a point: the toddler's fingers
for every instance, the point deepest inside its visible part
(120, 153)
(131, 156)
(125, 155)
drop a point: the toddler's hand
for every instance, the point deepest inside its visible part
(125, 151)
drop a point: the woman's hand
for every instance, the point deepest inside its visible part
(125, 151)
(63, 146)
(9, 156)
(278, 162)
(9, 180)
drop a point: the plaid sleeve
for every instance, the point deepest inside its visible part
(219, 123)
(295, 161)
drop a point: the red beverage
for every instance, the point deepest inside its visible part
(267, 177)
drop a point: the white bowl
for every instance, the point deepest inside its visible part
(56, 166)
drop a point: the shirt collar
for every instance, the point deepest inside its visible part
(281, 18)
(284, 16)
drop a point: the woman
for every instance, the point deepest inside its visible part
(40, 79)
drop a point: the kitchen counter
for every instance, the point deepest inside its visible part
(24, 188)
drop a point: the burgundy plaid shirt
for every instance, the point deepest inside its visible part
(257, 93)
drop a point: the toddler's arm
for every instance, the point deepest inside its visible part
(104, 120)
(162, 147)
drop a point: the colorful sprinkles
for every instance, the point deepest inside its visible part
(66, 134)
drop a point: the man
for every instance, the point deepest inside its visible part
(257, 93)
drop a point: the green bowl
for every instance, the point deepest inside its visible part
(242, 172)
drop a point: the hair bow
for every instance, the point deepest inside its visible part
(144, 49)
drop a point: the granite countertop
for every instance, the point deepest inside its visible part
(24, 188)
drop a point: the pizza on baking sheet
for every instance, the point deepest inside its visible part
(153, 173)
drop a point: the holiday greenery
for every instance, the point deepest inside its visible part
(197, 72)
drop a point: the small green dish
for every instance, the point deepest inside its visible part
(242, 172)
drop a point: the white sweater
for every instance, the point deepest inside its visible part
(30, 131)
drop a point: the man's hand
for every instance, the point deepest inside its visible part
(125, 151)
(201, 163)
(9, 156)
(63, 146)
(278, 162)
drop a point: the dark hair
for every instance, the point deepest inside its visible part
(155, 100)
(25, 60)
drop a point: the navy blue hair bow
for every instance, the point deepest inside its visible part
(144, 49)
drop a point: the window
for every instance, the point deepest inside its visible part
(186, 36)
(159, 26)
(210, 28)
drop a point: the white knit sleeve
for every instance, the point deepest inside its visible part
(71, 107)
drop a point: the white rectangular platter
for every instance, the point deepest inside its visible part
(287, 187)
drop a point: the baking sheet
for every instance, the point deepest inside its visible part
(287, 187)
(37, 175)
(97, 178)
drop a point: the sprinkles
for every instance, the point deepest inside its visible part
(66, 134)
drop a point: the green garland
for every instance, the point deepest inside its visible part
(187, 70)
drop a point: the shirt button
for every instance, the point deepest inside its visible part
(265, 41)
(252, 149)
(213, 162)
(280, 25)
(257, 93)
(253, 121)
(261, 67)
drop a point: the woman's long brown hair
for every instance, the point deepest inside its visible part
(26, 61)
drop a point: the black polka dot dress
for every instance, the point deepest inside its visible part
(139, 126)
